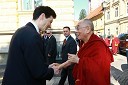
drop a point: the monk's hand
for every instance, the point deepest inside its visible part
(64, 65)
(53, 64)
(73, 58)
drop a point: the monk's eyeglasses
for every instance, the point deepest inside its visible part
(78, 28)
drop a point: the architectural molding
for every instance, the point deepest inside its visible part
(111, 22)
(115, 3)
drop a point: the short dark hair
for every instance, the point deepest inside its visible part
(43, 9)
(67, 27)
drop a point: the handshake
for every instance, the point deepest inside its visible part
(71, 59)
(57, 67)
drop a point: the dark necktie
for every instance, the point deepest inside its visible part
(64, 42)
(45, 37)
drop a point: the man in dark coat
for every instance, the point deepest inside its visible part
(69, 46)
(45, 40)
(26, 64)
(51, 48)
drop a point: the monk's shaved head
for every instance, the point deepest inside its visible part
(88, 23)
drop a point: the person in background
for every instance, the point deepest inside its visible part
(127, 48)
(51, 48)
(44, 40)
(100, 36)
(26, 64)
(115, 43)
(93, 59)
(108, 42)
(77, 42)
(69, 46)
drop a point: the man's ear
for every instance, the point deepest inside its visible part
(42, 16)
(88, 29)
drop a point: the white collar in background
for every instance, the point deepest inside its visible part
(37, 29)
(50, 36)
(67, 37)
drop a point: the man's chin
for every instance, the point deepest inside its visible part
(44, 29)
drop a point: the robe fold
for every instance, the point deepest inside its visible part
(94, 63)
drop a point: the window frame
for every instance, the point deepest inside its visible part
(116, 11)
(109, 31)
(32, 5)
(117, 31)
(108, 15)
(127, 8)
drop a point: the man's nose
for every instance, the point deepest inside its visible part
(49, 25)
(76, 31)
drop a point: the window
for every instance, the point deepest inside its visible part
(108, 31)
(127, 8)
(108, 15)
(116, 12)
(96, 23)
(127, 29)
(117, 31)
(30, 4)
(37, 3)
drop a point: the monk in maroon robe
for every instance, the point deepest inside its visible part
(93, 59)
(115, 43)
(107, 41)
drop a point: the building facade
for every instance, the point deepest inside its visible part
(16, 13)
(114, 19)
(96, 14)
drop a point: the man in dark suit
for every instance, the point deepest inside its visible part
(26, 64)
(51, 48)
(45, 40)
(69, 46)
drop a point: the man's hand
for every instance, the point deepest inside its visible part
(49, 55)
(73, 58)
(55, 68)
(53, 64)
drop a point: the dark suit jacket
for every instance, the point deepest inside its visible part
(51, 49)
(26, 60)
(45, 40)
(69, 47)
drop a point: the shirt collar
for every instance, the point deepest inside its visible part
(37, 29)
(50, 36)
(67, 37)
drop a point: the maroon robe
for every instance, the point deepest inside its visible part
(115, 43)
(107, 41)
(94, 64)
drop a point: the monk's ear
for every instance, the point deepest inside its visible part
(88, 29)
